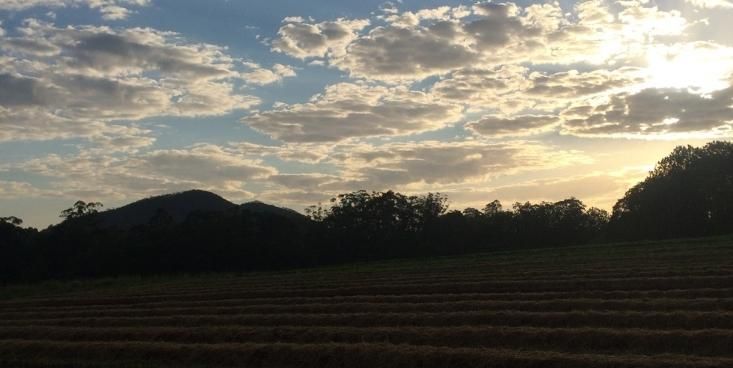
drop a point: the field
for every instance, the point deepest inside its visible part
(663, 304)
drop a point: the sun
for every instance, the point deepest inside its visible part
(699, 66)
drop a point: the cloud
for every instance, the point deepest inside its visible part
(10, 189)
(653, 113)
(482, 86)
(302, 181)
(572, 83)
(599, 189)
(416, 45)
(122, 138)
(511, 89)
(496, 126)
(551, 92)
(294, 152)
(19, 91)
(394, 53)
(409, 18)
(348, 110)
(397, 165)
(110, 9)
(296, 199)
(73, 81)
(712, 4)
(201, 163)
(260, 76)
(300, 39)
(38, 124)
(134, 175)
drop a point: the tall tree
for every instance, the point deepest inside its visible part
(689, 193)
(81, 209)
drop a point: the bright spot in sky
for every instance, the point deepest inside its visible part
(699, 67)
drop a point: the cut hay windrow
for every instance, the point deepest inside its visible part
(464, 276)
(336, 355)
(228, 300)
(556, 305)
(602, 319)
(628, 267)
(628, 283)
(713, 342)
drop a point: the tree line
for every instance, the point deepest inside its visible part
(689, 193)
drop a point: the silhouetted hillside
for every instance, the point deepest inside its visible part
(258, 207)
(177, 205)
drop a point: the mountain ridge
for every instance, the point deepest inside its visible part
(180, 205)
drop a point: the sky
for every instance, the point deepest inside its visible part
(292, 102)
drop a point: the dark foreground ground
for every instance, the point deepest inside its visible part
(666, 304)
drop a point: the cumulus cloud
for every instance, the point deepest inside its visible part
(38, 124)
(296, 199)
(512, 88)
(409, 18)
(72, 81)
(110, 9)
(302, 181)
(262, 76)
(348, 110)
(572, 84)
(10, 189)
(653, 113)
(301, 39)
(711, 4)
(121, 138)
(497, 126)
(481, 86)
(147, 173)
(396, 165)
(600, 189)
(294, 152)
(394, 53)
(201, 163)
(415, 45)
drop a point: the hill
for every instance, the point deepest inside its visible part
(258, 207)
(177, 205)
(655, 304)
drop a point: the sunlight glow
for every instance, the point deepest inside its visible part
(700, 67)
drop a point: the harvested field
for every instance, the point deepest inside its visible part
(663, 304)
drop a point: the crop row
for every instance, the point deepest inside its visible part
(631, 283)
(711, 342)
(408, 272)
(233, 300)
(552, 263)
(335, 355)
(466, 277)
(557, 305)
(647, 320)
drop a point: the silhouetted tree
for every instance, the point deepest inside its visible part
(12, 220)
(80, 209)
(317, 212)
(492, 208)
(689, 193)
(15, 251)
